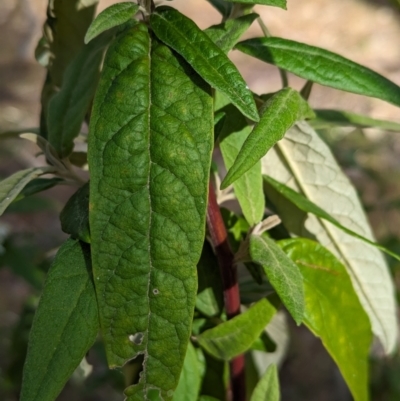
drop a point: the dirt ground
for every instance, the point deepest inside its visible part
(368, 32)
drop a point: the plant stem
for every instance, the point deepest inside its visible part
(228, 270)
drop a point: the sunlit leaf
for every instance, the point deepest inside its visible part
(333, 311)
(267, 388)
(304, 162)
(236, 336)
(278, 114)
(248, 187)
(205, 57)
(116, 14)
(321, 66)
(149, 157)
(282, 273)
(190, 380)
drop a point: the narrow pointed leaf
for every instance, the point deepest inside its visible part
(68, 108)
(190, 381)
(63, 33)
(223, 7)
(38, 185)
(65, 324)
(237, 335)
(321, 66)
(333, 311)
(12, 186)
(205, 57)
(278, 114)
(282, 273)
(75, 215)
(275, 3)
(226, 34)
(304, 162)
(248, 187)
(326, 118)
(209, 299)
(307, 206)
(267, 388)
(149, 155)
(115, 15)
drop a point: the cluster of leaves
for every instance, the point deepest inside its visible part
(159, 95)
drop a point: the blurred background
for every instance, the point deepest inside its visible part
(367, 32)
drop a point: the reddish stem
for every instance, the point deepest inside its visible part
(228, 270)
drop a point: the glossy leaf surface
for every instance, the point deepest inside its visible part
(282, 273)
(321, 66)
(116, 14)
(11, 187)
(304, 162)
(185, 37)
(65, 325)
(226, 34)
(267, 388)
(237, 335)
(278, 114)
(149, 163)
(333, 311)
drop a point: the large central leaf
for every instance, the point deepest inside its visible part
(150, 148)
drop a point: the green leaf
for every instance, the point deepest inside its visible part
(321, 66)
(68, 108)
(275, 3)
(333, 311)
(303, 161)
(278, 114)
(326, 118)
(38, 185)
(208, 398)
(226, 34)
(75, 215)
(267, 388)
(65, 324)
(190, 381)
(307, 206)
(223, 7)
(150, 144)
(237, 335)
(12, 186)
(282, 273)
(248, 187)
(205, 57)
(115, 15)
(64, 31)
(209, 299)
